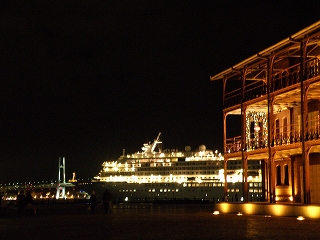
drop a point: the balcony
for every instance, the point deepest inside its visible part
(281, 79)
(280, 138)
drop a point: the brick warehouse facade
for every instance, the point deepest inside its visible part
(275, 98)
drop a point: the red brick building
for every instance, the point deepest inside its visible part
(275, 95)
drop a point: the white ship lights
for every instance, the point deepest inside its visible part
(117, 167)
(206, 155)
(117, 171)
(169, 166)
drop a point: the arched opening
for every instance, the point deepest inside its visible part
(286, 175)
(278, 175)
(285, 129)
(277, 131)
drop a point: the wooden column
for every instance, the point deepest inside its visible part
(225, 179)
(243, 137)
(307, 195)
(270, 164)
(304, 119)
(272, 179)
(225, 191)
(306, 149)
(264, 174)
(225, 132)
(293, 193)
(245, 179)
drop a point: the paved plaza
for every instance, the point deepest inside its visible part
(161, 221)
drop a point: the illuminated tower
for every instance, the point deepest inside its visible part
(61, 189)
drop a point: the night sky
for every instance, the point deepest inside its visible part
(86, 79)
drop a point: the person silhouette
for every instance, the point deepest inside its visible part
(106, 198)
(29, 205)
(93, 202)
(21, 199)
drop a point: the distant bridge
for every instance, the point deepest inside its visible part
(58, 187)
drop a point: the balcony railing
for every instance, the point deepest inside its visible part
(280, 138)
(252, 91)
(233, 144)
(280, 79)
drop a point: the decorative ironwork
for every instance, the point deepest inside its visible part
(255, 142)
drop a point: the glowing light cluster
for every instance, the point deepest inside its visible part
(256, 118)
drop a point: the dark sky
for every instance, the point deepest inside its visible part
(86, 79)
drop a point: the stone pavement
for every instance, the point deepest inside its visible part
(144, 221)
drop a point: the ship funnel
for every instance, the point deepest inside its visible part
(202, 148)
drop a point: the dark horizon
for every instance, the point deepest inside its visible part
(86, 80)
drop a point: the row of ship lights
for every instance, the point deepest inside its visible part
(154, 178)
(115, 165)
(176, 153)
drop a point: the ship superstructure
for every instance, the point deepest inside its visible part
(155, 173)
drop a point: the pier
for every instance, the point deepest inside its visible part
(147, 221)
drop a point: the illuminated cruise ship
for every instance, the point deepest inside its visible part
(156, 174)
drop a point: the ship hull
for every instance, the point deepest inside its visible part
(157, 192)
